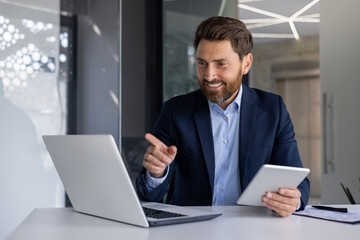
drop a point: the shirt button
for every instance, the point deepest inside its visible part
(225, 141)
(225, 118)
(220, 188)
(223, 165)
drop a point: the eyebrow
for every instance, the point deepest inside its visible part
(216, 60)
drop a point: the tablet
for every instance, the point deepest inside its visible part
(270, 178)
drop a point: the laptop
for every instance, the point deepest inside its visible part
(98, 184)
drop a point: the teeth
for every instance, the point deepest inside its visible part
(214, 85)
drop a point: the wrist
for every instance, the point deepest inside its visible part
(157, 175)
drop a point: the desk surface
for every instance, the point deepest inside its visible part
(237, 222)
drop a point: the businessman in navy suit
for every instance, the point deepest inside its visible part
(207, 145)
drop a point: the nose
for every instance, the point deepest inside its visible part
(209, 73)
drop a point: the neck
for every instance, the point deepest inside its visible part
(225, 104)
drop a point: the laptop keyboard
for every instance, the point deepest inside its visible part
(160, 214)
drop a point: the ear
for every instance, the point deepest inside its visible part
(246, 63)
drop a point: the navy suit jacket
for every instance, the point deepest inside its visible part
(266, 137)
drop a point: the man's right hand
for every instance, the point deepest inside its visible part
(158, 156)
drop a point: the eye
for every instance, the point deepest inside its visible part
(221, 64)
(201, 63)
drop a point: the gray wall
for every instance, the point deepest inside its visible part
(340, 71)
(133, 68)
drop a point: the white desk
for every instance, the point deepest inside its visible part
(236, 223)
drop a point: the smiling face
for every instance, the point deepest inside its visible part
(219, 71)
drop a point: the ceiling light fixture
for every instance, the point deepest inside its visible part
(278, 19)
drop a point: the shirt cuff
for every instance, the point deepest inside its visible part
(151, 183)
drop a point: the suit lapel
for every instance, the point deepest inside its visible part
(203, 124)
(247, 125)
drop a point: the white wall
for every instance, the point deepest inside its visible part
(340, 73)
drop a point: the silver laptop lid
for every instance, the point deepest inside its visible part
(81, 161)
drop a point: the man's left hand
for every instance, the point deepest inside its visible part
(285, 202)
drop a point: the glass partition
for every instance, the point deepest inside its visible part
(32, 103)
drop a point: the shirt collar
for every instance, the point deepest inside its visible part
(236, 102)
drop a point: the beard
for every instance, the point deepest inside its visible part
(229, 88)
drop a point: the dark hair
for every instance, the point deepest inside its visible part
(224, 28)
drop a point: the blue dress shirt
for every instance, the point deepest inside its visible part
(225, 129)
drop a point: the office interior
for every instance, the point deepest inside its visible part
(106, 67)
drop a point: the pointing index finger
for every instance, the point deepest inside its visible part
(154, 141)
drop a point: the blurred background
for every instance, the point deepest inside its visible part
(106, 67)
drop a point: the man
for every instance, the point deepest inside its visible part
(208, 144)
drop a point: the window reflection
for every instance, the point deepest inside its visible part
(33, 91)
(9, 35)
